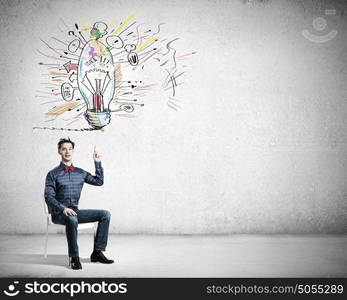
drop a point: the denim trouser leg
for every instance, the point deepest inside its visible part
(85, 216)
(71, 225)
(97, 215)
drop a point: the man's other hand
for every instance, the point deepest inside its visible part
(69, 212)
(96, 155)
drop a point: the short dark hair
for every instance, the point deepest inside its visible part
(63, 140)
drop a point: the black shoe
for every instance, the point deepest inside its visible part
(75, 264)
(98, 256)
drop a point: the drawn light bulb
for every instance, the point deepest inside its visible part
(96, 78)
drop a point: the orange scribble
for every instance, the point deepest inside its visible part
(56, 111)
(118, 76)
(58, 73)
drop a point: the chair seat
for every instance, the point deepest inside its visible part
(85, 226)
(80, 226)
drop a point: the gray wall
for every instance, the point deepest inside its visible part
(259, 145)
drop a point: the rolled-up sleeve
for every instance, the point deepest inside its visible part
(50, 193)
(98, 179)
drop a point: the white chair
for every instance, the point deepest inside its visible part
(49, 223)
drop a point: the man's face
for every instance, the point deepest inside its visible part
(66, 152)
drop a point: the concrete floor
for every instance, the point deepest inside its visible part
(181, 256)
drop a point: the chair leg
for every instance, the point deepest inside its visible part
(94, 234)
(45, 254)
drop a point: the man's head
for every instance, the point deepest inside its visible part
(66, 149)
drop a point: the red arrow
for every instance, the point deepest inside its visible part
(69, 66)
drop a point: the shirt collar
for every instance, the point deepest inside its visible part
(62, 165)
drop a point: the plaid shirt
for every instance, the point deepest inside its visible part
(63, 188)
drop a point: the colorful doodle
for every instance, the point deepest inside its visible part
(87, 71)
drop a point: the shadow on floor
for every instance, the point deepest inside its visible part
(38, 259)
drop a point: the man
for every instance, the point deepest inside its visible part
(62, 193)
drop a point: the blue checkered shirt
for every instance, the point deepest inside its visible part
(63, 188)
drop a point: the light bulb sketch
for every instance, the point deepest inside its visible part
(96, 78)
(86, 72)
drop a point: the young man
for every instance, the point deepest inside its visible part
(62, 193)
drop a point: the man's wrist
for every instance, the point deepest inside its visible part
(97, 164)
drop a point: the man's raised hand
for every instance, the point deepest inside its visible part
(96, 155)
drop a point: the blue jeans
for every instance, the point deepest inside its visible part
(84, 216)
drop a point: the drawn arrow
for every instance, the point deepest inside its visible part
(69, 66)
(73, 77)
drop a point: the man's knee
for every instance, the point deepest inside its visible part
(71, 220)
(107, 214)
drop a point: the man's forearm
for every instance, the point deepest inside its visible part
(98, 179)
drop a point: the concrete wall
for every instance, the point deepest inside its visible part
(259, 145)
